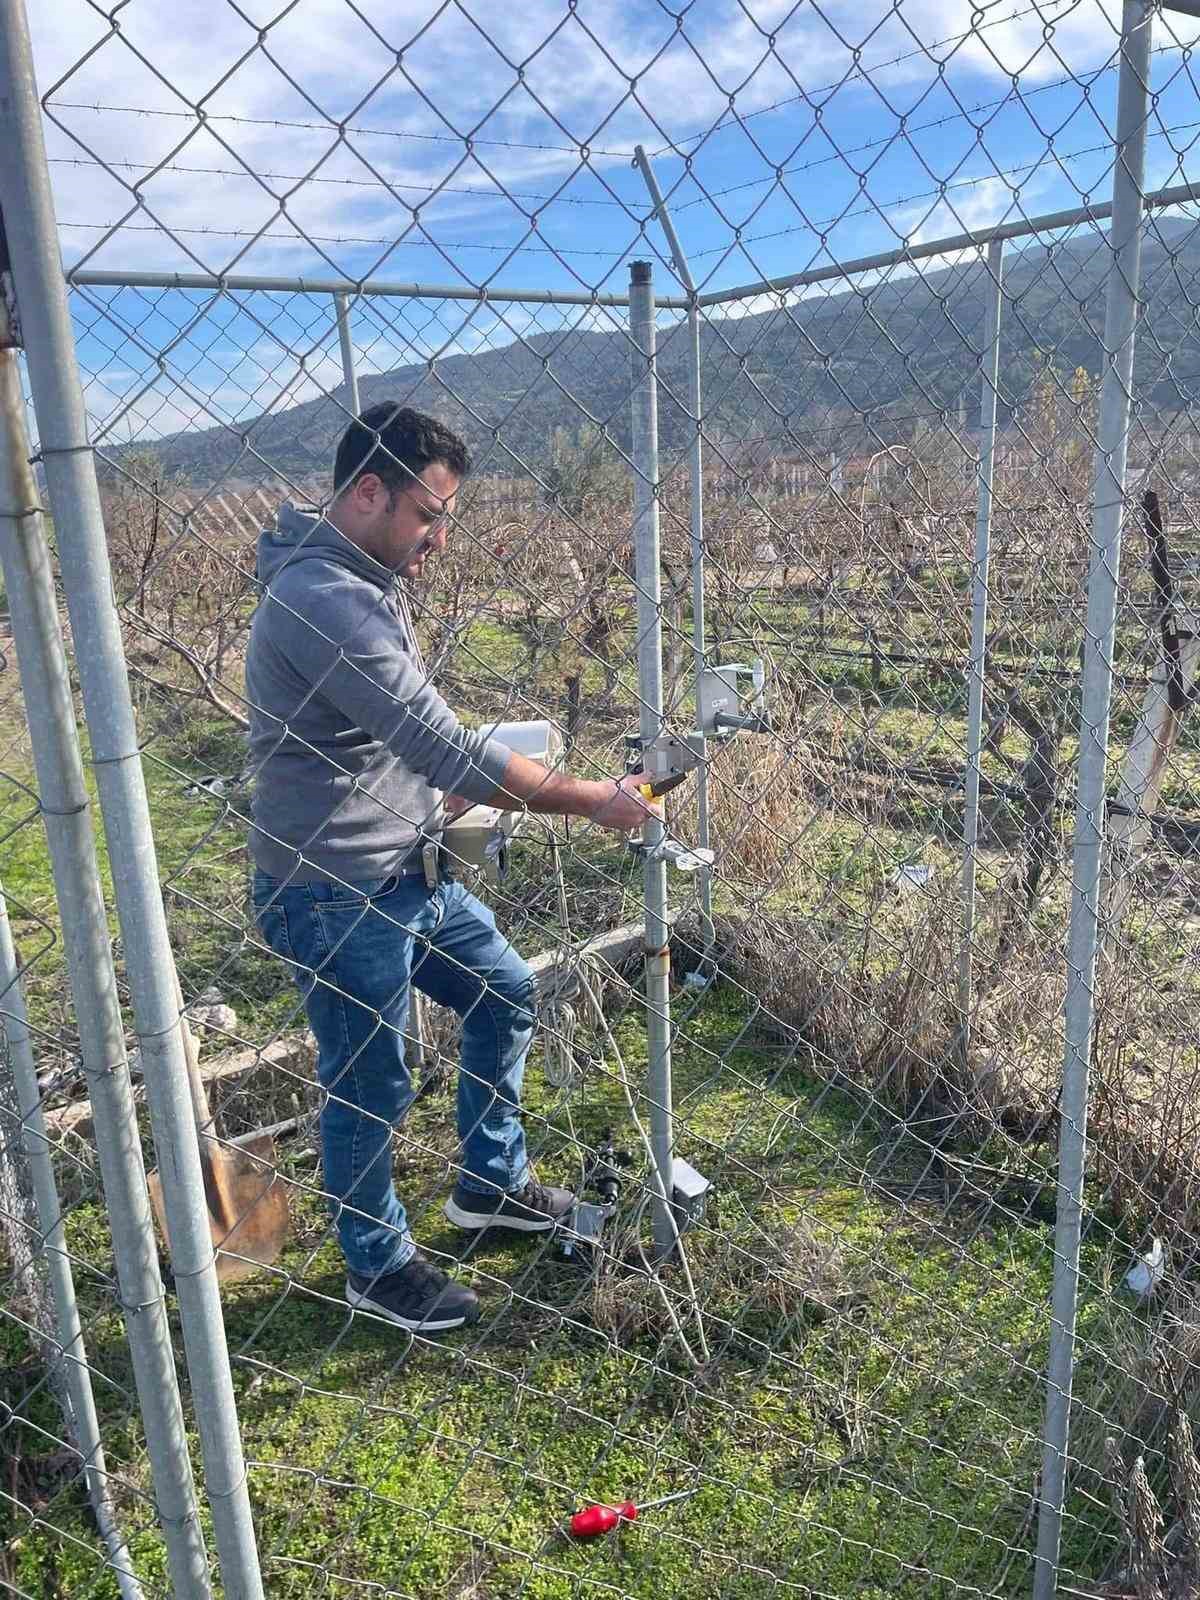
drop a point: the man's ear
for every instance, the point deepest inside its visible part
(368, 490)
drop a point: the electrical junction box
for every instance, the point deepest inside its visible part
(580, 1236)
(478, 840)
(689, 1193)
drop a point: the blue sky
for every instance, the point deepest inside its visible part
(488, 143)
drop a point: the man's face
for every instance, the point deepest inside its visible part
(402, 527)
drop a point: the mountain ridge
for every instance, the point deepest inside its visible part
(825, 371)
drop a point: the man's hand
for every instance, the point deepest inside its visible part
(454, 805)
(621, 805)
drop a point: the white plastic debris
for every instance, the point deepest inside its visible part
(913, 875)
(1148, 1270)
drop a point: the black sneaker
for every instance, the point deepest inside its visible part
(419, 1297)
(534, 1209)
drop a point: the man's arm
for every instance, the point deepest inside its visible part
(343, 639)
(528, 786)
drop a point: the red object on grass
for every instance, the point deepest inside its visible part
(592, 1521)
(595, 1520)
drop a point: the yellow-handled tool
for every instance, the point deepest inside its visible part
(661, 786)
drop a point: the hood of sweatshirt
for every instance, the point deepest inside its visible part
(299, 536)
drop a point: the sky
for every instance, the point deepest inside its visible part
(491, 144)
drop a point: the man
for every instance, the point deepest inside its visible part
(354, 751)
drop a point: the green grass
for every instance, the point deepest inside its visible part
(867, 1423)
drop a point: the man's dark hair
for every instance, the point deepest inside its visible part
(397, 444)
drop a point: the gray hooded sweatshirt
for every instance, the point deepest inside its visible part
(351, 746)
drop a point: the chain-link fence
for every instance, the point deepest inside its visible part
(872, 1064)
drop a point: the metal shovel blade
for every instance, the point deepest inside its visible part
(247, 1204)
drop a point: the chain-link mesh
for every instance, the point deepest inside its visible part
(873, 562)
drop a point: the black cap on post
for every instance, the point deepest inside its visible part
(640, 271)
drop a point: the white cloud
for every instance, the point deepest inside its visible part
(523, 83)
(980, 204)
(237, 134)
(539, 87)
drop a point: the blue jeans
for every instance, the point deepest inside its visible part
(354, 950)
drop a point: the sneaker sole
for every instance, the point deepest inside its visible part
(476, 1221)
(358, 1301)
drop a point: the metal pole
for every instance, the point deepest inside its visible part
(87, 946)
(699, 646)
(979, 613)
(1125, 243)
(342, 308)
(27, 207)
(696, 464)
(644, 451)
(83, 1425)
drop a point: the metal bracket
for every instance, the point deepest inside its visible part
(682, 857)
(721, 698)
(666, 760)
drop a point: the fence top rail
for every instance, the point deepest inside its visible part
(1023, 227)
(1019, 228)
(119, 278)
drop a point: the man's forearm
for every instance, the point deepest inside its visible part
(528, 786)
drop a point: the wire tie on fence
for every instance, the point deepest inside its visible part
(59, 450)
(186, 1519)
(234, 1488)
(105, 1070)
(145, 1034)
(64, 811)
(136, 1308)
(115, 761)
(194, 1272)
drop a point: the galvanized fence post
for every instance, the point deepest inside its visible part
(1099, 633)
(27, 207)
(977, 670)
(699, 642)
(66, 809)
(650, 694)
(83, 1425)
(696, 480)
(350, 376)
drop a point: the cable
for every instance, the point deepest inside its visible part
(1052, 159)
(865, 71)
(873, 208)
(351, 183)
(583, 152)
(300, 237)
(961, 115)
